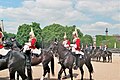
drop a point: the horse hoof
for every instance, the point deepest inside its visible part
(65, 77)
(48, 76)
(42, 78)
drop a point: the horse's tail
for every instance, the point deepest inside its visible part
(89, 66)
(52, 65)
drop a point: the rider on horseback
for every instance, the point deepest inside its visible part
(1, 38)
(66, 42)
(76, 47)
(31, 42)
(105, 49)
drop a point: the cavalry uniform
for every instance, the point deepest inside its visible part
(76, 44)
(1, 37)
(66, 42)
(31, 43)
(105, 47)
(28, 46)
(76, 48)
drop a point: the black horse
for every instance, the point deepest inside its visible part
(32, 60)
(107, 56)
(67, 59)
(14, 61)
(97, 54)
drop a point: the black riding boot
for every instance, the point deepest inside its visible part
(76, 61)
(28, 65)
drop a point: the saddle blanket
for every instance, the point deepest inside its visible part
(36, 51)
(4, 51)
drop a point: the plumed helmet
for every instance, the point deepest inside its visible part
(32, 33)
(75, 32)
(65, 36)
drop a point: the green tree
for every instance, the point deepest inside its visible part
(57, 31)
(24, 30)
(87, 39)
(8, 35)
(107, 40)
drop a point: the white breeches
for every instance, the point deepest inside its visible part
(79, 52)
(36, 51)
(76, 51)
(26, 47)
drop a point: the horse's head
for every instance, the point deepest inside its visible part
(54, 48)
(10, 43)
(7, 44)
(58, 49)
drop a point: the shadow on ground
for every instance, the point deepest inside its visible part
(64, 77)
(4, 78)
(85, 79)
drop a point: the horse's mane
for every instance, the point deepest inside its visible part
(62, 46)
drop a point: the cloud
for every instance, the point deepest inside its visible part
(98, 5)
(116, 17)
(65, 12)
(106, 8)
(99, 28)
(43, 11)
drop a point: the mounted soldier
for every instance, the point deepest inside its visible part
(31, 42)
(66, 42)
(30, 46)
(76, 47)
(1, 38)
(105, 49)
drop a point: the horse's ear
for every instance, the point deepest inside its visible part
(55, 39)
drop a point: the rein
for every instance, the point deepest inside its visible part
(65, 54)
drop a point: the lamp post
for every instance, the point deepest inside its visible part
(2, 26)
(106, 31)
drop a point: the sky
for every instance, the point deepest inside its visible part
(92, 17)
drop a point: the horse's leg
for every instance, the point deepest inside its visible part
(17, 76)
(90, 68)
(60, 72)
(29, 69)
(82, 72)
(103, 59)
(108, 58)
(29, 72)
(22, 74)
(46, 69)
(70, 72)
(12, 75)
(65, 73)
(99, 58)
(111, 58)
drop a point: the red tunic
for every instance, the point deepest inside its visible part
(1, 46)
(77, 42)
(33, 41)
(66, 43)
(1, 36)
